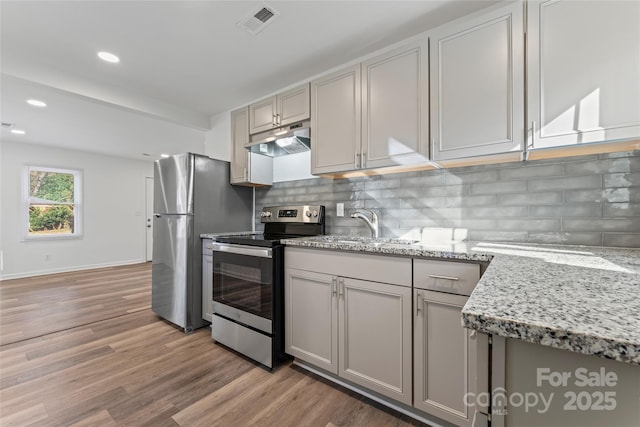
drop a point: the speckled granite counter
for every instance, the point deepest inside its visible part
(580, 298)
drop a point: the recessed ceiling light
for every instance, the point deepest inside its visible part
(164, 155)
(18, 131)
(109, 57)
(36, 103)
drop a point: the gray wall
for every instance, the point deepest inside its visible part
(586, 200)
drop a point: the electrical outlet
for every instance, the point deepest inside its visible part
(339, 209)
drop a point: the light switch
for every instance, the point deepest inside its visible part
(339, 209)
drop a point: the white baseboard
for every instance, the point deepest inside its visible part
(69, 269)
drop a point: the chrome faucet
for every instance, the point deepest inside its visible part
(372, 224)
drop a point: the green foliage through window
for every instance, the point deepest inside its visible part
(52, 201)
(57, 187)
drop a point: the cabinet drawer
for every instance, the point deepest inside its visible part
(376, 268)
(444, 276)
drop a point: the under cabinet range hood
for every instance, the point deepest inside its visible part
(291, 139)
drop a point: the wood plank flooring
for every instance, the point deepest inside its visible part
(84, 349)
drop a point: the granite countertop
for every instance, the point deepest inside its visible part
(579, 298)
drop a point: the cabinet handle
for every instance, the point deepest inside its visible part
(334, 290)
(364, 159)
(533, 133)
(278, 119)
(357, 161)
(418, 303)
(341, 287)
(246, 174)
(435, 276)
(274, 120)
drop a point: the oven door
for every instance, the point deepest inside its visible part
(243, 285)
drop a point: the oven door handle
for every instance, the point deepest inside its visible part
(243, 250)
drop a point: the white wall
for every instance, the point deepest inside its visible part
(217, 143)
(114, 212)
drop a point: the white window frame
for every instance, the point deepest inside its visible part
(77, 203)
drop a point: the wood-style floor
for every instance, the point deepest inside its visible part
(84, 349)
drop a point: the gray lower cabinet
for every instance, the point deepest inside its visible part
(444, 357)
(402, 340)
(445, 354)
(374, 336)
(207, 279)
(357, 329)
(311, 321)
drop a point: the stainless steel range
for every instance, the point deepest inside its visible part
(248, 282)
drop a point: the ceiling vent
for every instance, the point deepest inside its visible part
(7, 125)
(257, 20)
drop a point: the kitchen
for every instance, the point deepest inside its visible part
(572, 197)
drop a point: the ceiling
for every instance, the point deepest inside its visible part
(181, 63)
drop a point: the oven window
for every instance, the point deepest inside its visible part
(243, 282)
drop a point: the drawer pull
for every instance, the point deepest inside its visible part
(435, 276)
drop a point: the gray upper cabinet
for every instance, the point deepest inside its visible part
(583, 72)
(395, 107)
(335, 121)
(280, 110)
(239, 137)
(373, 114)
(477, 84)
(247, 168)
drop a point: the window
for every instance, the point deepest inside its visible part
(52, 202)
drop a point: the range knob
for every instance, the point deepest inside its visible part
(315, 214)
(308, 214)
(265, 214)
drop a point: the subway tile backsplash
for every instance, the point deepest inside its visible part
(586, 200)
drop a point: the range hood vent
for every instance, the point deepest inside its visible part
(258, 20)
(285, 140)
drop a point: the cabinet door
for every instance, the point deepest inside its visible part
(207, 285)
(262, 115)
(375, 336)
(477, 85)
(583, 71)
(239, 137)
(311, 328)
(395, 107)
(335, 122)
(444, 357)
(293, 105)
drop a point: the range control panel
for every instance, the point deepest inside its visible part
(302, 214)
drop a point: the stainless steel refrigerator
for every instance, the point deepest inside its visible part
(192, 195)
